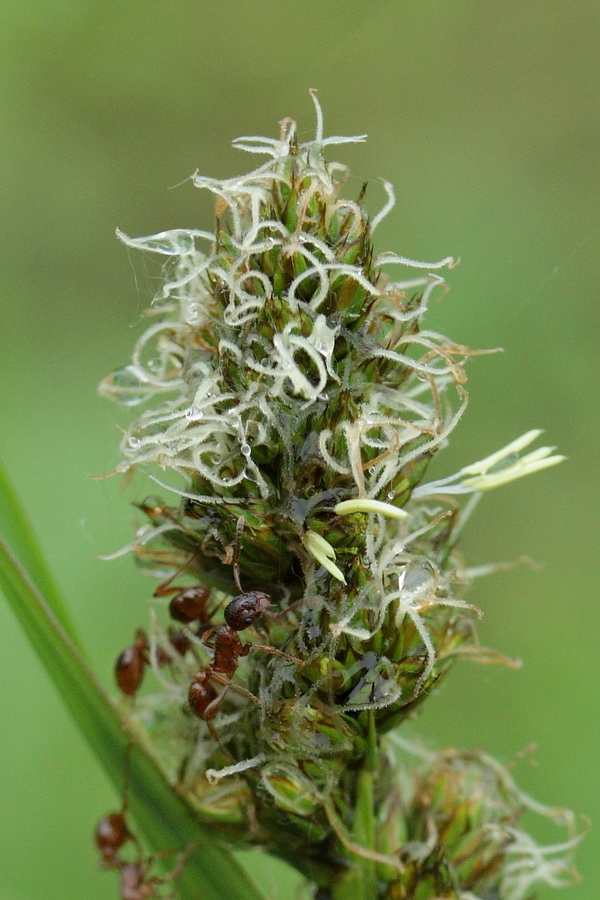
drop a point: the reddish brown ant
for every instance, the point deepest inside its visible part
(111, 835)
(189, 604)
(240, 613)
(131, 664)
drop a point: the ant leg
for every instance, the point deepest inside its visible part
(204, 700)
(164, 588)
(215, 737)
(235, 687)
(176, 872)
(269, 614)
(211, 708)
(275, 652)
(205, 703)
(207, 634)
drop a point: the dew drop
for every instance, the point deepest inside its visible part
(193, 315)
(129, 388)
(154, 365)
(193, 415)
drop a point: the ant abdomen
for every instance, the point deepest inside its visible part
(189, 605)
(201, 694)
(179, 641)
(110, 835)
(131, 664)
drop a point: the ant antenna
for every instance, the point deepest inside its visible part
(163, 589)
(239, 530)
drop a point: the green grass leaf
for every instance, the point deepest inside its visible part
(164, 817)
(16, 530)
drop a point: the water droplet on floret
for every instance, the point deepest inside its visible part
(130, 388)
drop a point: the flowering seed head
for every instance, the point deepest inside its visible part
(290, 393)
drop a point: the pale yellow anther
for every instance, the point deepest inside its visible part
(365, 505)
(324, 553)
(526, 465)
(484, 465)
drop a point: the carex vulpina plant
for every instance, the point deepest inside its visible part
(290, 402)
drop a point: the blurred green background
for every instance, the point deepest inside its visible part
(486, 118)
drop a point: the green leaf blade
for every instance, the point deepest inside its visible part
(165, 818)
(17, 531)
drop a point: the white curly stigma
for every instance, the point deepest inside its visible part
(194, 420)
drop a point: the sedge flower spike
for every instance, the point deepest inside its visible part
(292, 399)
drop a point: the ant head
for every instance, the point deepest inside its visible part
(244, 610)
(141, 640)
